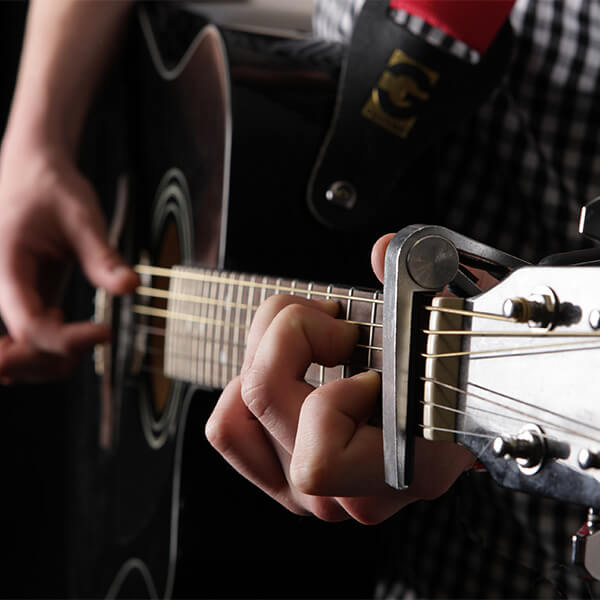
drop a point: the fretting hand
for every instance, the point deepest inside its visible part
(313, 450)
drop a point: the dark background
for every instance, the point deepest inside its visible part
(33, 443)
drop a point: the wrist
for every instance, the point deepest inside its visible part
(33, 151)
(36, 126)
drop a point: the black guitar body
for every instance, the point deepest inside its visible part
(223, 130)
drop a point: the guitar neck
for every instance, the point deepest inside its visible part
(209, 314)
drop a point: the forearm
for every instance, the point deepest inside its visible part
(68, 44)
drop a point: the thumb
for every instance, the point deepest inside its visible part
(85, 232)
(378, 255)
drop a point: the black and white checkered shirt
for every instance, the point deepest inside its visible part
(515, 176)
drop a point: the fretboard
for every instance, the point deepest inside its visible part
(209, 314)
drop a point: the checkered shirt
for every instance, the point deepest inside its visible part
(515, 176)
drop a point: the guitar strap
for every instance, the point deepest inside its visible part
(398, 96)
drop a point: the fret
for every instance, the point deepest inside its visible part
(322, 367)
(197, 308)
(202, 334)
(208, 348)
(348, 315)
(191, 328)
(371, 332)
(221, 331)
(263, 290)
(175, 333)
(178, 332)
(222, 376)
(250, 313)
(217, 332)
(168, 347)
(210, 335)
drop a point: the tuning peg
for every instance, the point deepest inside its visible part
(540, 309)
(528, 449)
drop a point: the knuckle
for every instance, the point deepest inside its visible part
(311, 474)
(218, 433)
(256, 392)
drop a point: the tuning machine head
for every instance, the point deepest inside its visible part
(540, 309)
(530, 448)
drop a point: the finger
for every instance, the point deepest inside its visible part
(372, 510)
(337, 453)
(85, 230)
(237, 435)
(269, 309)
(45, 330)
(443, 462)
(273, 386)
(20, 302)
(378, 255)
(22, 363)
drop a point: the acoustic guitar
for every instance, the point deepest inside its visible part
(224, 129)
(479, 369)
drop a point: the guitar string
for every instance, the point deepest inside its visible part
(546, 348)
(166, 314)
(198, 276)
(448, 430)
(523, 416)
(163, 314)
(143, 290)
(158, 293)
(315, 382)
(470, 313)
(170, 295)
(529, 334)
(158, 352)
(521, 419)
(516, 410)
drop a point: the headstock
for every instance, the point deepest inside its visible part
(528, 395)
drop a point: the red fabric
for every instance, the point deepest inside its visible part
(474, 22)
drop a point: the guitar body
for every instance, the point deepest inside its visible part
(223, 139)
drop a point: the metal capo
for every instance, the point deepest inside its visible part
(420, 261)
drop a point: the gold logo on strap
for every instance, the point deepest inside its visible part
(400, 91)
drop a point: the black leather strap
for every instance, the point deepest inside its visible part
(398, 95)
